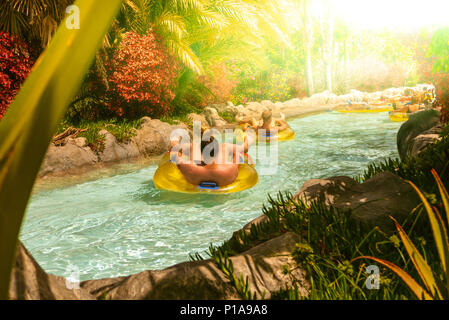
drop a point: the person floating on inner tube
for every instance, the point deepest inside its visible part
(268, 124)
(220, 167)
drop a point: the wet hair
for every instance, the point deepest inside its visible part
(266, 115)
(212, 141)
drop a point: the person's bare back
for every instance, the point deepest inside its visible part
(222, 169)
(221, 175)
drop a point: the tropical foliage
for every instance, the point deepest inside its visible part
(15, 64)
(148, 91)
(32, 20)
(435, 282)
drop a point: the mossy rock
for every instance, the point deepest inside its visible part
(417, 124)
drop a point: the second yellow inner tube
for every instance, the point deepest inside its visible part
(398, 116)
(283, 135)
(169, 177)
(384, 109)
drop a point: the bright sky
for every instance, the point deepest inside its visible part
(377, 14)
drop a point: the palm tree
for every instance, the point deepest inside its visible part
(308, 44)
(32, 19)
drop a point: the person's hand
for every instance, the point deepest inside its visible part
(174, 142)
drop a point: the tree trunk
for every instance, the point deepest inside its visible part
(308, 43)
(328, 33)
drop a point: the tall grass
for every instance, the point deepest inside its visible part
(332, 239)
(435, 281)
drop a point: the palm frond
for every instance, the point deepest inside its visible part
(171, 24)
(185, 54)
(11, 20)
(212, 19)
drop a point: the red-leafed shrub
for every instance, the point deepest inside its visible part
(142, 77)
(15, 64)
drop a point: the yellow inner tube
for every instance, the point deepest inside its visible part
(385, 109)
(398, 117)
(283, 135)
(169, 177)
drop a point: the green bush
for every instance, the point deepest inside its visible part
(264, 85)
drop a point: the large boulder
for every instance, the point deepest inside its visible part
(116, 151)
(325, 190)
(371, 202)
(416, 125)
(200, 280)
(252, 110)
(263, 265)
(420, 142)
(153, 137)
(30, 282)
(73, 155)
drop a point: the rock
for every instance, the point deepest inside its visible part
(191, 117)
(420, 142)
(267, 104)
(212, 117)
(371, 202)
(67, 157)
(144, 121)
(384, 195)
(295, 103)
(247, 228)
(414, 126)
(220, 107)
(200, 280)
(115, 151)
(30, 282)
(80, 142)
(317, 99)
(325, 190)
(153, 138)
(250, 111)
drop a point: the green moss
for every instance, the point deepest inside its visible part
(228, 116)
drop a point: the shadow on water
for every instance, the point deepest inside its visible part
(149, 194)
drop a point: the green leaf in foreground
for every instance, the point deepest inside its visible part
(33, 117)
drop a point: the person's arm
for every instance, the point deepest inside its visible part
(177, 151)
(282, 125)
(174, 142)
(236, 149)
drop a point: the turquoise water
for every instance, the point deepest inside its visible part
(120, 224)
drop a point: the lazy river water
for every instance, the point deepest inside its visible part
(120, 224)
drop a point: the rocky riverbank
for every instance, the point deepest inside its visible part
(71, 155)
(268, 264)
